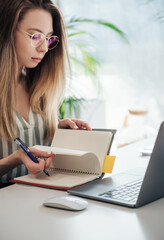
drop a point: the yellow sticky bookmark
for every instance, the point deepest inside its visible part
(108, 164)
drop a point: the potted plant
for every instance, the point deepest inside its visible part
(84, 60)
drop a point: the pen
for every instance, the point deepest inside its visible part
(27, 151)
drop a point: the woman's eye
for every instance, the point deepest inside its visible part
(36, 37)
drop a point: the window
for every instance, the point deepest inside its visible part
(132, 76)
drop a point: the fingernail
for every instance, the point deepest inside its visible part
(49, 152)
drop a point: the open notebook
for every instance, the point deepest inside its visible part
(79, 158)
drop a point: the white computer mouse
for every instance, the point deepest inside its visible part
(66, 202)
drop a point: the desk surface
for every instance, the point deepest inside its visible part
(23, 217)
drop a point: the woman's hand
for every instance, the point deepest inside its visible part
(74, 124)
(33, 167)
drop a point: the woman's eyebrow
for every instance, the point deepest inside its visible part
(38, 30)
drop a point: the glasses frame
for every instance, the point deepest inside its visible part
(45, 38)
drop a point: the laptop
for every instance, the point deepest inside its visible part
(133, 188)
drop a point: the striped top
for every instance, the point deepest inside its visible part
(31, 132)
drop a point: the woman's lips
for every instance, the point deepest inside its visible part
(38, 60)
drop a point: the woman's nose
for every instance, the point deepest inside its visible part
(43, 47)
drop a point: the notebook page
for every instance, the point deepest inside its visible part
(68, 159)
(87, 163)
(57, 179)
(57, 150)
(96, 142)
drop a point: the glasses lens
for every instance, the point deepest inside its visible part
(37, 39)
(53, 42)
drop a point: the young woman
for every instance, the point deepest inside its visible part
(33, 54)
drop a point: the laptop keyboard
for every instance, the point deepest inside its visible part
(128, 192)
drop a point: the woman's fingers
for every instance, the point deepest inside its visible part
(74, 124)
(81, 124)
(33, 167)
(48, 161)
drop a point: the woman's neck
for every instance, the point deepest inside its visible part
(21, 74)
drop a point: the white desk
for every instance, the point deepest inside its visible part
(22, 216)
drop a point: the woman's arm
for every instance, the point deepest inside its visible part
(8, 163)
(19, 157)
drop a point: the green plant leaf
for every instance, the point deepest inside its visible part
(100, 22)
(73, 104)
(78, 33)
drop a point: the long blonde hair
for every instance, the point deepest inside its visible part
(45, 82)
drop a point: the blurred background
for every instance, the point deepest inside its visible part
(125, 89)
